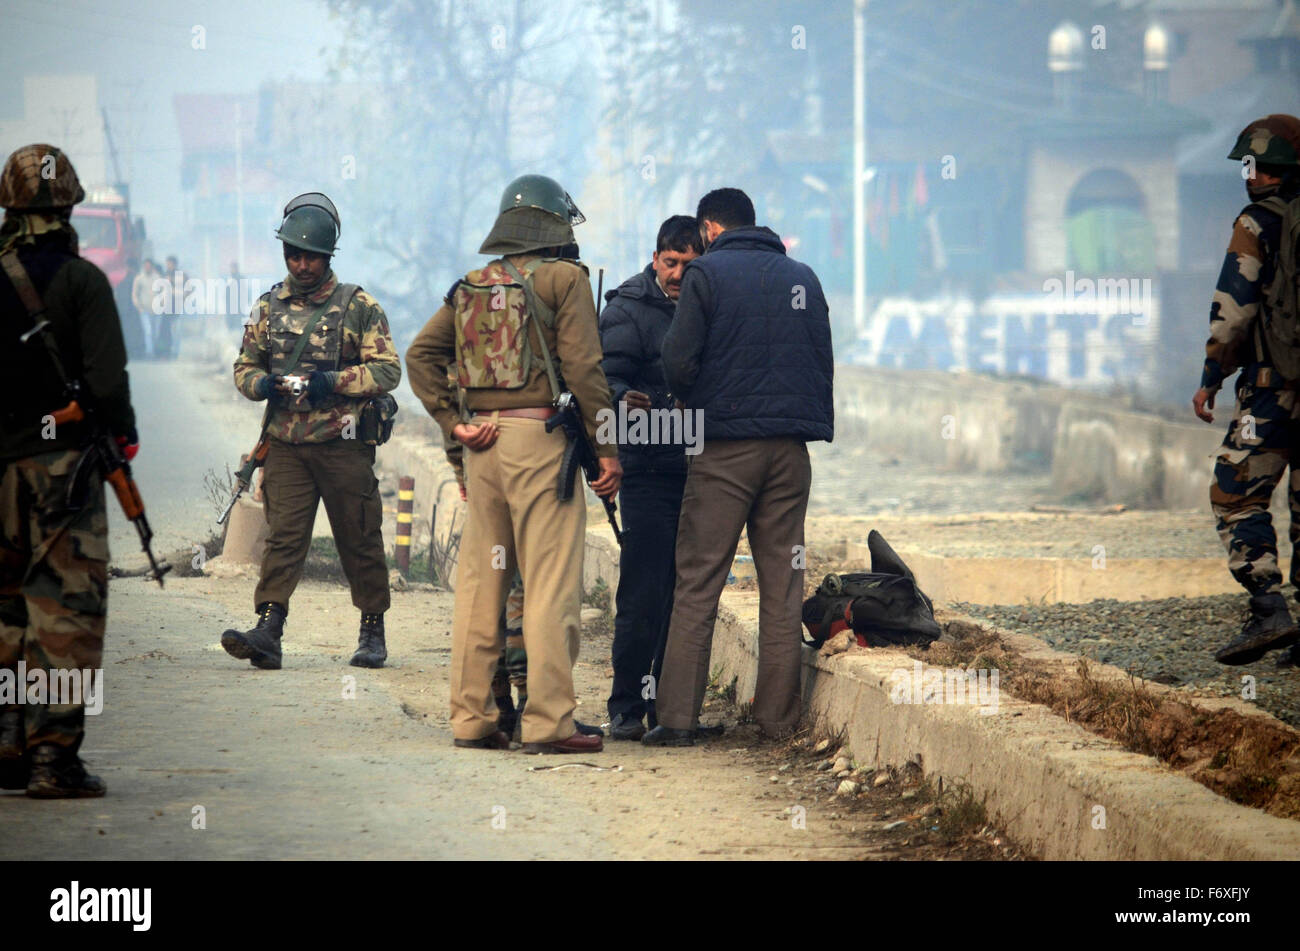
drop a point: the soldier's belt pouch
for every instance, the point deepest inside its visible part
(375, 424)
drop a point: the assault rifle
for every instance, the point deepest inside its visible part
(101, 455)
(244, 477)
(578, 453)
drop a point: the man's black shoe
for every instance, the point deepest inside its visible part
(1269, 627)
(371, 650)
(261, 644)
(667, 736)
(58, 773)
(587, 729)
(626, 727)
(14, 768)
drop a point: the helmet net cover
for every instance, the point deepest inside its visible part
(523, 229)
(39, 176)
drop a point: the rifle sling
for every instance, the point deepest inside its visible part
(531, 297)
(31, 299)
(305, 336)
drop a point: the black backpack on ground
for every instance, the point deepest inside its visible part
(883, 607)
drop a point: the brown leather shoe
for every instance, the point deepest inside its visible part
(578, 743)
(493, 741)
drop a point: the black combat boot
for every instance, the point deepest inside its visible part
(1269, 627)
(508, 715)
(58, 773)
(371, 650)
(1291, 658)
(261, 644)
(13, 753)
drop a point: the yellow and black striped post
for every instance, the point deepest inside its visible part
(405, 502)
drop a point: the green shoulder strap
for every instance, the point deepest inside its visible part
(350, 290)
(538, 311)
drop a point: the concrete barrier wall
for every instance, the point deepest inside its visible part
(1132, 458)
(1097, 451)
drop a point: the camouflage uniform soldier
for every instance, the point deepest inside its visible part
(315, 453)
(512, 466)
(1257, 449)
(53, 559)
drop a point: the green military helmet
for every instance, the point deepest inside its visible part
(1272, 140)
(535, 212)
(311, 222)
(39, 177)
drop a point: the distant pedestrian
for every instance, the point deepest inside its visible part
(165, 323)
(132, 331)
(142, 296)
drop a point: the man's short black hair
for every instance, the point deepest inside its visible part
(729, 207)
(679, 233)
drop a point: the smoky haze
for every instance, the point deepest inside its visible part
(1045, 190)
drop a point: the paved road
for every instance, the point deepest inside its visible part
(181, 438)
(282, 765)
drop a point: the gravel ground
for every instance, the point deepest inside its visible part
(1171, 641)
(847, 477)
(1037, 535)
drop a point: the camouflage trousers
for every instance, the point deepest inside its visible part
(53, 586)
(512, 668)
(1254, 457)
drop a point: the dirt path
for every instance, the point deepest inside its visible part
(285, 767)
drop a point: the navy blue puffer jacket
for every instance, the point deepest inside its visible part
(751, 341)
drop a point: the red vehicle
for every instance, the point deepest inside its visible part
(106, 233)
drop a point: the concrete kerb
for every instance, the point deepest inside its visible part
(1059, 790)
(1070, 580)
(1041, 777)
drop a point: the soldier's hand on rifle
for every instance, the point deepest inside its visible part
(129, 444)
(476, 436)
(635, 399)
(611, 477)
(1202, 403)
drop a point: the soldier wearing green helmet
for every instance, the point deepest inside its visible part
(513, 329)
(317, 351)
(1248, 308)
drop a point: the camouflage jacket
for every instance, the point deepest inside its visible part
(360, 345)
(1247, 271)
(574, 344)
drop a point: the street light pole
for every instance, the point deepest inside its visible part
(859, 165)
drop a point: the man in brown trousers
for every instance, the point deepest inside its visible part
(520, 330)
(749, 350)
